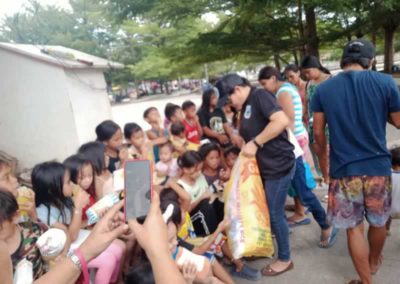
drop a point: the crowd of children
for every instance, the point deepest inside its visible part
(192, 153)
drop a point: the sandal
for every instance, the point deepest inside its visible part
(354, 282)
(331, 239)
(268, 271)
(305, 221)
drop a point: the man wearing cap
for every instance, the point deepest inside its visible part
(357, 104)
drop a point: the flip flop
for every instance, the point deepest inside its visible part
(305, 221)
(354, 282)
(331, 239)
(268, 271)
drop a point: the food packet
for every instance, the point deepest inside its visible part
(94, 213)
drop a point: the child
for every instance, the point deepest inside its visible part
(20, 238)
(140, 147)
(178, 139)
(211, 156)
(231, 154)
(395, 186)
(167, 166)
(25, 196)
(231, 117)
(95, 153)
(81, 172)
(173, 113)
(156, 134)
(193, 130)
(52, 185)
(109, 133)
(194, 182)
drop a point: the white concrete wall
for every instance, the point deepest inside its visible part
(89, 101)
(36, 119)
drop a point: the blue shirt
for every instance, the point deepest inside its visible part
(356, 105)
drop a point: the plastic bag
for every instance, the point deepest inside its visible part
(23, 272)
(246, 208)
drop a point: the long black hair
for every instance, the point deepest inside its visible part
(310, 61)
(269, 71)
(8, 206)
(47, 183)
(95, 153)
(106, 130)
(207, 148)
(206, 99)
(292, 67)
(189, 160)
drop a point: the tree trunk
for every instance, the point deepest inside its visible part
(277, 63)
(296, 58)
(312, 47)
(302, 48)
(389, 31)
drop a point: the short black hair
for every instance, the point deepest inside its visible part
(170, 110)
(232, 149)
(177, 128)
(8, 205)
(106, 130)
(187, 104)
(141, 273)
(205, 149)
(130, 129)
(268, 71)
(94, 152)
(168, 196)
(395, 156)
(148, 110)
(292, 67)
(189, 159)
(363, 62)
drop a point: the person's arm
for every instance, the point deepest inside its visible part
(319, 124)
(206, 195)
(198, 126)
(394, 119)
(5, 264)
(68, 241)
(205, 246)
(286, 102)
(81, 199)
(104, 232)
(278, 123)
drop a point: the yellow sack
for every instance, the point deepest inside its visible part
(247, 209)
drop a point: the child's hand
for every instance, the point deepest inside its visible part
(237, 141)
(189, 272)
(30, 208)
(223, 139)
(225, 174)
(223, 225)
(81, 199)
(123, 154)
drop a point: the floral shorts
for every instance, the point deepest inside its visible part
(352, 198)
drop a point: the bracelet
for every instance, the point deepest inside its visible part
(259, 146)
(84, 267)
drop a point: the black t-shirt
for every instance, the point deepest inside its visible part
(114, 164)
(276, 158)
(214, 120)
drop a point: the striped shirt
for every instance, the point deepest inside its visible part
(299, 128)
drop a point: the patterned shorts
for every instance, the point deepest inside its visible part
(352, 198)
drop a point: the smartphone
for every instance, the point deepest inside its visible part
(138, 188)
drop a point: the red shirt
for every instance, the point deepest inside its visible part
(191, 132)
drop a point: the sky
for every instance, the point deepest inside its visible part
(9, 7)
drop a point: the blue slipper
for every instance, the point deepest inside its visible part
(331, 239)
(303, 222)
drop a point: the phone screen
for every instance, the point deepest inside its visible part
(138, 188)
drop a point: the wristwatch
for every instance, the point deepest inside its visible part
(75, 259)
(259, 146)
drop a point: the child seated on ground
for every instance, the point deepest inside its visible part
(20, 238)
(193, 129)
(24, 195)
(156, 133)
(231, 154)
(173, 113)
(178, 139)
(168, 165)
(212, 164)
(109, 133)
(139, 146)
(56, 204)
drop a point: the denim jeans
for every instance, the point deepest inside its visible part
(276, 192)
(307, 196)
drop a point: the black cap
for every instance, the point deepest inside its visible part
(359, 48)
(226, 85)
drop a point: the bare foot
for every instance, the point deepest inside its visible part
(375, 267)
